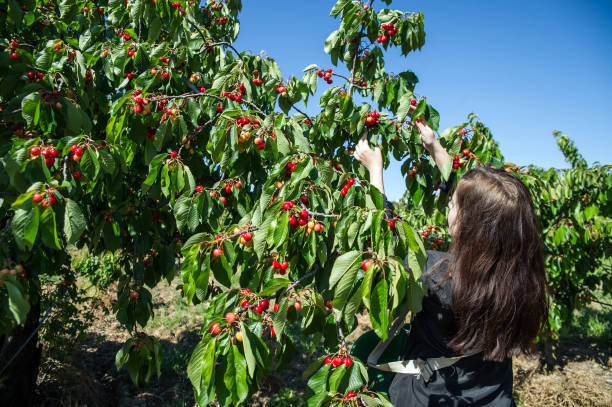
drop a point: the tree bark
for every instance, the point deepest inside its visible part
(18, 382)
(550, 354)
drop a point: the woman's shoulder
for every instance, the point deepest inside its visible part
(435, 259)
(435, 275)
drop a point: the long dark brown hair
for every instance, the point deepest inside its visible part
(499, 289)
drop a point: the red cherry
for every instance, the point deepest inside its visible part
(49, 161)
(247, 236)
(55, 153)
(466, 151)
(173, 154)
(304, 214)
(257, 309)
(302, 222)
(228, 188)
(37, 197)
(230, 317)
(336, 361)
(35, 151)
(264, 304)
(347, 362)
(76, 175)
(217, 252)
(213, 194)
(246, 304)
(391, 224)
(276, 264)
(284, 265)
(293, 221)
(328, 360)
(366, 264)
(297, 305)
(350, 395)
(199, 189)
(14, 56)
(276, 307)
(238, 185)
(328, 304)
(215, 329)
(45, 153)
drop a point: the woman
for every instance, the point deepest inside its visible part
(486, 298)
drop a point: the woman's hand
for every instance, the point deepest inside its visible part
(427, 134)
(431, 144)
(371, 159)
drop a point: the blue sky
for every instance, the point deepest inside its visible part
(525, 67)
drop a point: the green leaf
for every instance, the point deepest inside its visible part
(74, 221)
(153, 171)
(281, 230)
(249, 350)
(338, 7)
(259, 237)
(378, 309)
(30, 105)
(18, 305)
(343, 264)
(48, 230)
(331, 41)
(404, 107)
(106, 160)
(25, 226)
(446, 169)
(280, 319)
(235, 375)
(367, 284)
(202, 364)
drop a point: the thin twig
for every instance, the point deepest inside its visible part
(304, 277)
(601, 302)
(340, 333)
(308, 117)
(10, 113)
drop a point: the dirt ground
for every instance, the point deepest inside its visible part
(88, 377)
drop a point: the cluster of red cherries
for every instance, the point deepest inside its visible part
(235, 96)
(388, 30)
(256, 80)
(347, 186)
(177, 7)
(46, 198)
(326, 75)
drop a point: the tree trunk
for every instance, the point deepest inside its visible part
(550, 354)
(18, 382)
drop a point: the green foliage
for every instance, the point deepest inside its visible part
(101, 272)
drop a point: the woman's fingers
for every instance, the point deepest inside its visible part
(365, 135)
